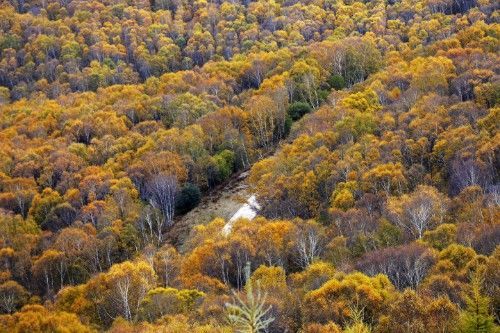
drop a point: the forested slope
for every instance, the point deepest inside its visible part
(380, 210)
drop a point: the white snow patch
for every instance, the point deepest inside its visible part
(247, 211)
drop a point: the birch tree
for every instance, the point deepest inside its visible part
(162, 191)
(418, 211)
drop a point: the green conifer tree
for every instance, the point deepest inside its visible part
(249, 315)
(476, 317)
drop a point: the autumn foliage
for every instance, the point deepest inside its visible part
(369, 130)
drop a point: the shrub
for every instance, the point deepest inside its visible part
(298, 109)
(188, 198)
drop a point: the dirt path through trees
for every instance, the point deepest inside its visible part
(222, 202)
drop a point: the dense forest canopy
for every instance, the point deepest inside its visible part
(369, 129)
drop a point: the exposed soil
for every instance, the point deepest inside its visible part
(222, 201)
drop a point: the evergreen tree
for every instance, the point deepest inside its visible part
(250, 315)
(476, 317)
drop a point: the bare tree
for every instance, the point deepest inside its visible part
(406, 266)
(418, 211)
(469, 172)
(151, 225)
(162, 191)
(310, 245)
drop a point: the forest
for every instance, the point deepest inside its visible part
(369, 130)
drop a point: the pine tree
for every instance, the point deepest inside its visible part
(250, 315)
(476, 317)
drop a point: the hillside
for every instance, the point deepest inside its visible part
(131, 132)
